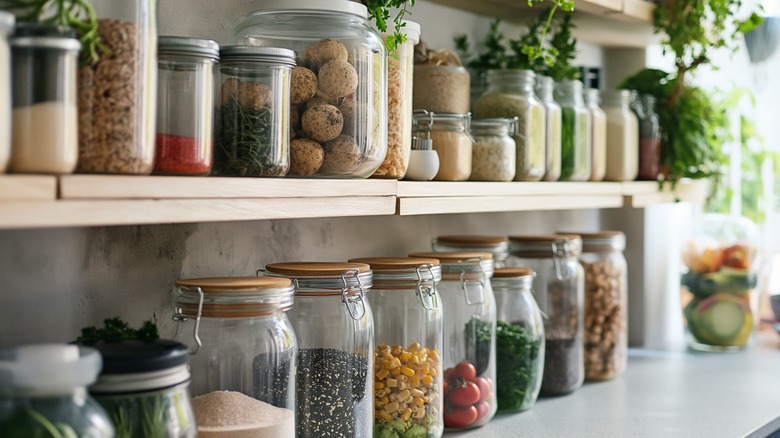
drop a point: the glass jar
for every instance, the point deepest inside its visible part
(185, 105)
(400, 77)
(44, 137)
(442, 88)
(469, 352)
(118, 91)
(719, 295)
(493, 152)
(649, 141)
(552, 123)
(519, 340)
(342, 131)
(510, 93)
(408, 399)
(43, 392)
(606, 304)
(252, 134)
(144, 389)
(239, 336)
(622, 136)
(496, 245)
(598, 118)
(6, 28)
(335, 327)
(576, 132)
(451, 137)
(558, 288)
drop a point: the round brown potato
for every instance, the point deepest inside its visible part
(303, 85)
(342, 155)
(337, 79)
(322, 122)
(325, 50)
(253, 94)
(306, 157)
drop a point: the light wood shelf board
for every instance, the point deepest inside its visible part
(639, 194)
(517, 10)
(172, 187)
(437, 189)
(489, 204)
(638, 10)
(27, 188)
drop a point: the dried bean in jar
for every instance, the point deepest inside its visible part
(605, 331)
(563, 368)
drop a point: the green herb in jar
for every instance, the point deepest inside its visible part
(26, 423)
(116, 330)
(568, 129)
(518, 358)
(478, 338)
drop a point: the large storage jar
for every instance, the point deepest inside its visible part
(496, 245)
(338, 90)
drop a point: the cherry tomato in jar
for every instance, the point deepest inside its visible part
(484, 388)
(459, 418)
(464, 395)
(449, 373)
(445, 387)
(483, 409)
(465, 371)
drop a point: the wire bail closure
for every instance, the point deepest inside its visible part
(180, 317)
(464, 284)
(352, 302)
(426, 291)
(560, 249)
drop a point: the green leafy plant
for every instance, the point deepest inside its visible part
(564, 47)
(116, 330)
(537, 52)
(379, 11)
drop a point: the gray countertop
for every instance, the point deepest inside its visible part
(663, 393)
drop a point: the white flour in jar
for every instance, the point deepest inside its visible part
(45, 138)
(231, 414)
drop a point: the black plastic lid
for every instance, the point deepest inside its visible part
(36, 35)
(130, 357)
(42, 30)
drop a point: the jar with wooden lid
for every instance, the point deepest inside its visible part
(335, 328)
(408, 321)
(519, 340)
(558, 288)
(496, 245)
(239, 336)
(450, 134)
(469, 353)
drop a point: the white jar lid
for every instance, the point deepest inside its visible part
(345, 6)
(49, 368)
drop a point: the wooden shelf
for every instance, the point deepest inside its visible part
(640, 194)
(28, 188)
(638, 10)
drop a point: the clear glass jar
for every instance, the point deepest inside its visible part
(469, 352)
(576, 132)
(144, 389)
(519, 340)
(342, 60)
(252, 134)
(552, 123)
(451, 137)
(408, 397)
(649, 141)
(622, 137)
(43, 392)
(510, 93)
(118, 93)
(493, 152)
(239, 336)
(496, 245)
(719, 295)
(400, 79)
(442, 88)
(44, 137)
(598, 162)
(185, 105)
(6, 28)
(335, 328)
(558, 288)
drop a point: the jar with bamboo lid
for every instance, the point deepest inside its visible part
(496, 245)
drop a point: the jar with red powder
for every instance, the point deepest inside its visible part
(185, 102)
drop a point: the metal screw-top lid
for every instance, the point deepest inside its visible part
(7, 21)
(273, 55)
(42, 36)
(422, 144)
(180, 45)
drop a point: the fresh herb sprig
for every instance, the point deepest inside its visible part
(540, 51)
(565, 49)
(379, 11)
(116, 330)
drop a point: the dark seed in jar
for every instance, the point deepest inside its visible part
(271, 378)
(563, 363)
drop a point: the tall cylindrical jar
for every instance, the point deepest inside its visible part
(239, 336)
(6, 28)
(408, 316)
(335, 328)
(118, 92)
(622, 137)
(599, 135)
(496, 245)
(450, 134)
(44, 136)
(400, 77)
(493, 152)
(519, 340)
(559, 290)
(510, 94)
(443, 86)
(552, 123)
(469, 352)
(252, 133)
(185, 105)
(649, 141)
(339, 88)
(576, 132)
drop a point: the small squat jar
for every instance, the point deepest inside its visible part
(185, 105)
(452, 140)
(239, 336)
(469, 353)
(599, 135)
(6, 28)
(649, 141)
(519, 340)
(493, 153)
(44, 137)
(144, 389)
(335, 328)
(252, 135)
(576, 132)
(407, 359)
(552, 123)
(496, 245)
(558, 289)
(622, 137)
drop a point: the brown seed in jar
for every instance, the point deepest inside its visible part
(322, 123)
(303, 85)
(306, 157)
(337, 79)
(253, 94)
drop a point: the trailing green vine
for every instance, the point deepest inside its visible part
(379, 11)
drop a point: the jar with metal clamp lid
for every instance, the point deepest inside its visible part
(335, 328)
(452, 140)
(407, 360)
(239, 336)
(496, 245)
(559, 290)
(469, 353)
(493, 155)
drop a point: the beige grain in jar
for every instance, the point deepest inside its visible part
(451, 137)
(441, 83)
(493, 155)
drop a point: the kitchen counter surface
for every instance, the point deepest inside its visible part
(662, 394)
